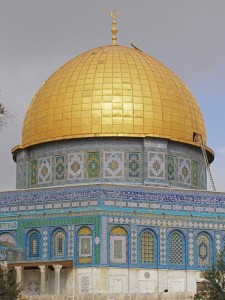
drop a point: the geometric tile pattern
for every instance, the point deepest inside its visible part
(45, 244)
(93, 164)
(113, 164)
(162, 246)
(70, 240)
(134, 165)
(195, 173)
(218, 243)
(104, 240)
(85, 283)
(176, 249)
(133, 245)
(33, 287)
(60, 167)
(44, 170)
(75, 166)
(184, 170)
(171, 168)
(191, 248)
(33, 173)
(156, 165)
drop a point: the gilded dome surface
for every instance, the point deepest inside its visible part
(112, 91)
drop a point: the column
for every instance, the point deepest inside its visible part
(42, 282)
(18, 274)
(57, 278)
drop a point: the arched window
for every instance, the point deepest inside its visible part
(176, 249)
(118, 245)
(34, 245)
(59, 244)
(148, 248)
(85, 245)
(203, 250)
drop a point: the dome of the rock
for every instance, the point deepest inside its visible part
(112, 91)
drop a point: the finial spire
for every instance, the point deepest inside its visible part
(114, 15)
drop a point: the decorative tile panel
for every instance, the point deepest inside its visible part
(113, 165)
(20, 175)
(60, 167)
(184, 170)
(134, 162)
(133, 245)
(44, 170)
(191, 248)
(118, 249)
(85, 246)
(171, 168)
(195, 173)
(218, 243)
(45, 244)
(156, 165)
(85, 283)
(162, 246)
(93, 164)
(33, 173)
(70, 240)
(75, 166)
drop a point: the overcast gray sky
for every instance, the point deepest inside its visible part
(37, 36)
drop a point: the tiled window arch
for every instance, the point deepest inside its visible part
(177, 248)
(84, 245)
(148, 247)
(118, 245)
(204, 250)
(33, 242)
(59, 243)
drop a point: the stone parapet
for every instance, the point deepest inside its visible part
(90, 296)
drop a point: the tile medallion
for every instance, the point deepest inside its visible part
(93, 164)
(184, 170)
(134, 162)
(75, 166)
(156, 165)
(44, 170)
(113, 165)
(60, 167)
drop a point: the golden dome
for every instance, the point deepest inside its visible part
(112, 91)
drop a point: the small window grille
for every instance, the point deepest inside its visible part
(176, 249)
(59, 244)
(34, 245)
(147, 248)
